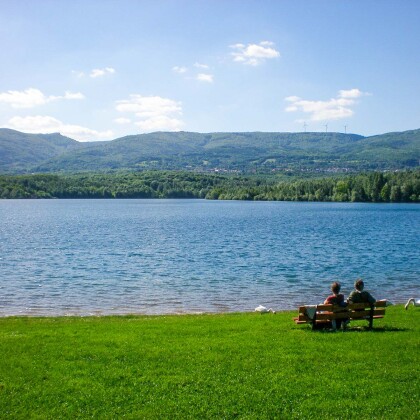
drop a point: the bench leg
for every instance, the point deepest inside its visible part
(371, 318)
(314, 322)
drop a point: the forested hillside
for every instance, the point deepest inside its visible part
(212, 152)
(368, 187)
(19, 151)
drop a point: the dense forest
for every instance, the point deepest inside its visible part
(385, 187)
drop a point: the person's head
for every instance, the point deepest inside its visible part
(359, 285)
(335, 287)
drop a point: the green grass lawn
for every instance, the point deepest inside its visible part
(246, 366)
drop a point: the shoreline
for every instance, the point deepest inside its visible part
(161, 314)
(136, 314)
(216, 310)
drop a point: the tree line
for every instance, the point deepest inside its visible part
(367, 187)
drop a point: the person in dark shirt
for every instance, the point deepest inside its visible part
(358, 295)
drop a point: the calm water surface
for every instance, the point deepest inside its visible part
(60, 257)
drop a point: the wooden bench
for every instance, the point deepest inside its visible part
(320, 316)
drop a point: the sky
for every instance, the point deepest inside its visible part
(99, 69)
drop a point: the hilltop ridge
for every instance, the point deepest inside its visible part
(207, 152)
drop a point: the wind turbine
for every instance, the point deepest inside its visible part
(326, 128)
(304, 126)
(345, 129)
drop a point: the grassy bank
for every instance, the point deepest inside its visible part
(208, 366)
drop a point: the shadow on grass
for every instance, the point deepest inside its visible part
(378, 329)
(363, 329)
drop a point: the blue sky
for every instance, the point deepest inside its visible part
(98, 70)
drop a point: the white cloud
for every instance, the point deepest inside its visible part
(46, 124)
(23, 99)
(94, 73)
(155, 113)
(101, 72)
(201, 66)
(149, 106)
(70, 95)
(122, 121)
(351, 93)
(202, 77)
(238, 46)
(160, 123)
(267, 43)
(254, 54)
(179, 69)
(332, 109)
(31, 97)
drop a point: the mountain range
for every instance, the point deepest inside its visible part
(207, 152)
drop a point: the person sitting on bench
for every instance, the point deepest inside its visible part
(337, 298)
(358, 295)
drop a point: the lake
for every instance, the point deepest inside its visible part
(84, 257)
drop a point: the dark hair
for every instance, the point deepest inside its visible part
(335, 287)
(359, 285)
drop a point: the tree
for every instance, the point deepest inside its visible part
(395, 195)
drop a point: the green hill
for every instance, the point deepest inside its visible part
(403, 147)
(19, 152)
(246, 152)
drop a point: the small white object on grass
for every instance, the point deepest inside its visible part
(263, 310)
(415, 302)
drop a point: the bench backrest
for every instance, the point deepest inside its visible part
(352, 310)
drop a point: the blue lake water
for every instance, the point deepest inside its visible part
(81, 257)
